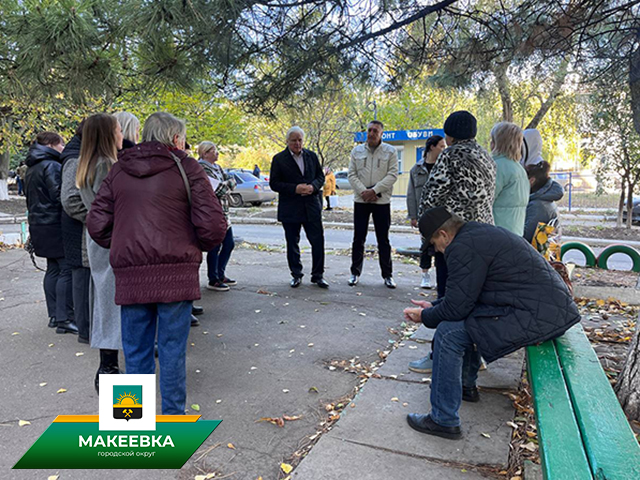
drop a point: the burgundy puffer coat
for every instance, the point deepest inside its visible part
(142, 213)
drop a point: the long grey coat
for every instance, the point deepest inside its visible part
(105, 315)
(72, 202)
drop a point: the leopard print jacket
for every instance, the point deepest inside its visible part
(463, 181)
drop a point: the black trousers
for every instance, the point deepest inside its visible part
(441, 273)
(315, 235)
(58, 290)
(426, 259)
(381, 223)
(81, 280)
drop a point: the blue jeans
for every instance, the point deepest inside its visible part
(455, 365)
(218, 258)
(172, 322)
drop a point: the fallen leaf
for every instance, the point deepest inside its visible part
(293, 418)
(284, 390)
(231, 446)
(485, 435)
(405, 404)
(258, 311)
(314, 390)
(332, 368)
(218, 401)
(362, 314)
(15, 333)
(286, 468)
(310, 345)
(395, 399)
(22, 423)
(274, 420)
(196, 407)
(219, 335)
(263, 292)
(412, 347)
(53, 477)
(43, 384)
(513, 425)
(79, 354)
(205, 477)
(51, 345)
(62, 390)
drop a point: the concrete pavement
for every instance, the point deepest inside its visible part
(258, 355)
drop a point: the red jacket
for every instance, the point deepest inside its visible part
(142, 213)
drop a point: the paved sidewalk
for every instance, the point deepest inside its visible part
(372, 440)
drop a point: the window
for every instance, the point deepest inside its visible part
(400, 153)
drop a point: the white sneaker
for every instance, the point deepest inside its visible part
(426, 280)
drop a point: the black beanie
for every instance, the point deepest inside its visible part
(432, 220)
(461, 125)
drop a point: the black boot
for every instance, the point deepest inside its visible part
(53, 323)
(108, 365)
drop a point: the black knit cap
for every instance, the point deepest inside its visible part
(432, 220)
(461, 125)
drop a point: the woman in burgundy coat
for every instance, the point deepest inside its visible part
(156, 223)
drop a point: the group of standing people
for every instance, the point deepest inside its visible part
(122, 225)
(298, 177)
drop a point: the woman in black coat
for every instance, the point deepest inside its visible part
(42, 186)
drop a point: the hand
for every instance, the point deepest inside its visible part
(304, 189)
(414, 222)
(413, 314)
(369, 195)
(422, 303)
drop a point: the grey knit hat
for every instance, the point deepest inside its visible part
(461, 125)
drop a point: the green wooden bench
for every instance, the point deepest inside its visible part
(582, 430)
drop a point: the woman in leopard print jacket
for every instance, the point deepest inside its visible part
(463, 179)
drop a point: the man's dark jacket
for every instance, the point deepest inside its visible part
(42, 186)
(507, 294)
(285, 177)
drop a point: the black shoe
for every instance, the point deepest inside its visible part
(389, 282)
(321, 282)
(67, 327)
(197, 310)
(353, 280)
(424, 424)
(470, 394)
(194, 321)
(230, 281)
(53, 323)
(295, 282)
(84, 340)
(108, 366)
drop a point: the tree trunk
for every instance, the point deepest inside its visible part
(634, 84)
(4, 175)
(630, 186)
(621, 204)
(505, 93)
(628, 386)
(558, 82)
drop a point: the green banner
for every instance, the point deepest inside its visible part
(81, 445)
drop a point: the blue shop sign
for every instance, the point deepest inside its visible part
(401, 135)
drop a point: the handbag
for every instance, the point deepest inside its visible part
(28, 246)
(333, 201)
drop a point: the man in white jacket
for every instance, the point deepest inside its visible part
(373, 170)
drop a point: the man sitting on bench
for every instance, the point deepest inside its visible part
(501, 295)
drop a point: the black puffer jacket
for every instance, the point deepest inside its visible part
(42, 186)
(507, 294)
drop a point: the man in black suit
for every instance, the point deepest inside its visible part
(297, 176)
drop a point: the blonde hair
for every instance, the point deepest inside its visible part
(129, 124)
(507, 140)
(204, 147)
(162, 127)
(98, 142)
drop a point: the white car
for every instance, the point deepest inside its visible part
(342, 182)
